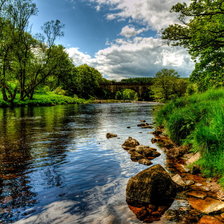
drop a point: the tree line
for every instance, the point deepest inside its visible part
(29, 62)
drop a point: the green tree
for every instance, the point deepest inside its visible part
(202, 33)
(126, 94)
(87, 81)
(168, 85)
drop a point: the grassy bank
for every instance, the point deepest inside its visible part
(198, 120)
(46, 99)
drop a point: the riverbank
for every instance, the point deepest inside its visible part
(201, 199)
(46, 99)
(197, 121)
(122, 101)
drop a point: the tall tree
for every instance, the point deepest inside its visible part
(201, 31)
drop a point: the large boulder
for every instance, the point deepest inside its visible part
(151, 186)
(130, 143)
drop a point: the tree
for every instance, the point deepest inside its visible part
(168, 85)
(202, 32)
(126, 94)
(87, 81)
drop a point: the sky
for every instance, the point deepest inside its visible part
(120, 38)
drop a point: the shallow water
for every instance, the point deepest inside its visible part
(56, 165)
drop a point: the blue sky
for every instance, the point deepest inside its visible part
(121, 38)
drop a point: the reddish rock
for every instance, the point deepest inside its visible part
(197, 194)
(209, 220)
(206, 206)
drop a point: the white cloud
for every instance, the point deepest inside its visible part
(78, 57)
(129, 31)
(153, 13)
(137, 57)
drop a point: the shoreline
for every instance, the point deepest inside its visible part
(203, 198)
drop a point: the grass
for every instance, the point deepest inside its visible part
(46, 99)
(198, 120)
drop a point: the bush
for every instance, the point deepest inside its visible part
(126, 94)
(198, 120)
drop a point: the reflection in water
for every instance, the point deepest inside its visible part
(51, 155)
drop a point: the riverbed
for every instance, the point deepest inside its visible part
(57, 166)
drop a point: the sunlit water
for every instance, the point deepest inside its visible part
(56, 165)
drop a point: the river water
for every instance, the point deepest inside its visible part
(56, 165)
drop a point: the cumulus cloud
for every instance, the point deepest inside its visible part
(79, 57)
(137, 57)
(153, 13)
(129, 31)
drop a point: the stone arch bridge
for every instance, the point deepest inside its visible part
(114, 87)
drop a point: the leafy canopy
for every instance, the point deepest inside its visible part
(201, 31)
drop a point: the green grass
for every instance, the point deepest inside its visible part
(46, 99)
(198, 120)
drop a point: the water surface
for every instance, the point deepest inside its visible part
(56, 165)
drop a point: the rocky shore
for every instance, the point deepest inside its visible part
(203, 198)
(178, 193)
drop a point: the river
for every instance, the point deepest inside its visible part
(56, 165)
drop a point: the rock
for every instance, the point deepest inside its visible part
(145, 162)
(128, 127)
(142, 121)
(189, 182)
(141, 148)
(145, 125)
(135, 156)
(178, 180)
(195, 169)
(157, 132)
(111, 135)
(130, 143)
(181, 168)
(208, 205)
(209, 220)
(194, 158)
(197, 194)
(151, 186)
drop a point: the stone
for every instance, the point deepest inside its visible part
(189, 182)
(151, 186)
(145, 125)
(197, 194)
(135, 156)
(208, 205)
(194, 158)
(145, 162)
(157, 132)
(130, 143)
(209, 220)
(111, 135)
(178, 180)
(147, 151)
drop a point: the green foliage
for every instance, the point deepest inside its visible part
(144, 80)
(202, 34)
(198, 120)
(126, 94)
(47, 99)
(60, 91)
(167, 85)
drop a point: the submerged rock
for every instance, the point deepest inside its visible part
(145, 162)
(151, 186)
(111, 135)
(130, 143)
